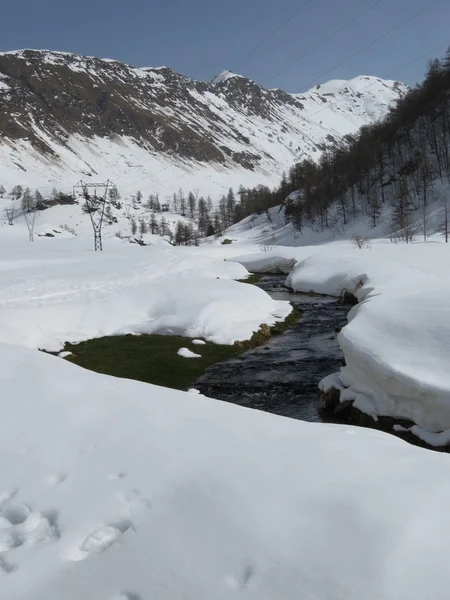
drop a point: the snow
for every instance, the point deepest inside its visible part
(116, 489)
(55, 291)
(225, 76)
(186, 353)
(199, 342)
(113, 489)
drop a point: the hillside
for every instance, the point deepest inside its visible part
(64, 117)
(390, 180)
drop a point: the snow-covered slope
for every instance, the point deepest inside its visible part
(64, 117)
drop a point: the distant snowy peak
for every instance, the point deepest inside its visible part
(359, 84)
(225, 76)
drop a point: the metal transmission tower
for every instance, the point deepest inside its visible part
(29, 206)
(10, 215)
(128, 211)
(96, 204)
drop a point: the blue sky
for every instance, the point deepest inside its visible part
(202, 37)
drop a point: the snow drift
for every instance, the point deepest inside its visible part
(57, 292)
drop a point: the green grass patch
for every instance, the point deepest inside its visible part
(253, 279)
(154, 358)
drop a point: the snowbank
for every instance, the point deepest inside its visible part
(221, 311)
(55, 291)
(116, 489)
(397, 342)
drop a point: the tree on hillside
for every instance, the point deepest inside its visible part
(230, 207)
(133, 226)
(188, 234)
(182, 202)
(179, 233)
(2, 191)
(217, 225)
(192, 202)
(446, 224)
(203, 217)
(114, 198)
(154, 225)
(16, 192)
(27, 200)
(164, 229)
(142, 227)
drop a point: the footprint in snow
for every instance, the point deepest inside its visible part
(101, 539)
(242, 580)
(56, 478)
(119, 475)
(5, 567)
(20, 525)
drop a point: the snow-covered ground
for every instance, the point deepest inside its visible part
(58, 289)
(112, 489)
(118, 490)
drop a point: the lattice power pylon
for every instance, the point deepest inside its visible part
(10, 215)
(29, 206)
(96, 204)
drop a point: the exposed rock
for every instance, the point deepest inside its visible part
(334, 411)
(48, 97)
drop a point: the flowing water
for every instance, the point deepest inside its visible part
(282, 376)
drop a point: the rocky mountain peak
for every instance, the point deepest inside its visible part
(55, 107)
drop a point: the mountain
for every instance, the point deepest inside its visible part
(64, 117)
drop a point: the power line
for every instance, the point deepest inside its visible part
(322, 41)
(288, 20)
(381, 37)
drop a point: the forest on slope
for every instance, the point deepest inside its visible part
(399, 163)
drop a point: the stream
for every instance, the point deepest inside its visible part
(282, 377)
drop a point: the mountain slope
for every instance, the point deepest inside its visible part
(65, 116)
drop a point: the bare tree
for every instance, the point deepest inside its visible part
(268, 244)
(359, 241)
(142, 227)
